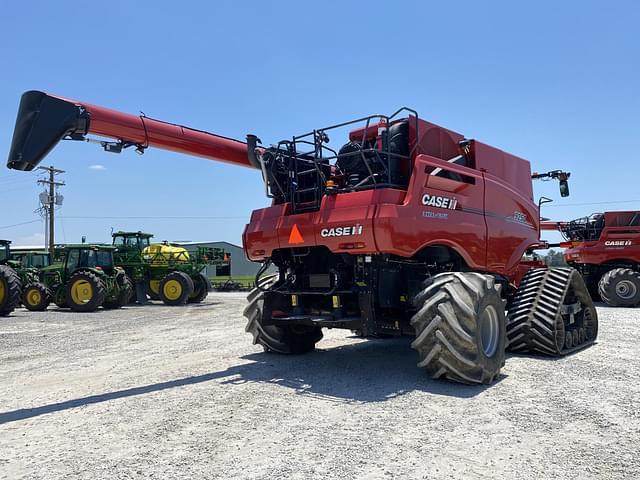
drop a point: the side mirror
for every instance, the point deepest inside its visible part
(564, 188)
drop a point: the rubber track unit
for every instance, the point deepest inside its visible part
(448, 327)
(537, 321)
(607, 287)
(274, 338)
(13, 290)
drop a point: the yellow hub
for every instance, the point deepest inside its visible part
(3, 290)
(34, 297)
(81, 292)
(154, 286)
(172, 289)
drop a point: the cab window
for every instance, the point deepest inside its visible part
(73, 259)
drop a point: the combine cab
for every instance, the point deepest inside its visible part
(402, 227)
(10, 283)
(605, 249)
(166, 272)
(85, 279)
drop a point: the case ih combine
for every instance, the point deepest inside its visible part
(406, 229)
(605, 249)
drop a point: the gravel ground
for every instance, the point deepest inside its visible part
(160, 392)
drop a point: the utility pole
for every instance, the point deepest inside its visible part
(52, 199)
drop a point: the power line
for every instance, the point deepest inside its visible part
(592, 203)
(18, 224)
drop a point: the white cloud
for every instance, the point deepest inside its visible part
(35, 239)
(98, 167)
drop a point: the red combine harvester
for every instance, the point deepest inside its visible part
(605, 249)
(406, 229)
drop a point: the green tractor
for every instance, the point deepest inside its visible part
(83, 278)
(27, 264)
(164, 271)
(35, 259)
(10, 283)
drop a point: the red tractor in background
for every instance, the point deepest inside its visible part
(605, 249)
(403, 228)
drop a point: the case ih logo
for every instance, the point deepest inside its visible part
(520, 218)
(439, 202)
(341, 231)
(617, 243)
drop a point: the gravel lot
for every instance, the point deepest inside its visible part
(159, 392)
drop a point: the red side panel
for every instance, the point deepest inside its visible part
(260, 236)
(512, 225)
(406, 229)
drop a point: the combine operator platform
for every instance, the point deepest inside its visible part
(402, 227)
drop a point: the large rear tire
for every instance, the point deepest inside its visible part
(200, 288)
(175, 288)
(85, 292)
(36, 297)
(153, 289)
(273, 338)
(460, 327)
(124, 295)
(10, 290)
(620, 287)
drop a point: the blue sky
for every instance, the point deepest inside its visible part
(554, 82)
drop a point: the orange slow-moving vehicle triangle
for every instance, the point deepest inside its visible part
(295, 237)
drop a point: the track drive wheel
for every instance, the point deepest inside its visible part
(36, 297)
(10, 288)
(85, 292)
(125, 291)
(175, 288)
(295, 339)
(620, 287)
(460, 327)
(549, 311)
(201, 288)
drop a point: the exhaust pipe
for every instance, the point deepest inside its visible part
(42, 122)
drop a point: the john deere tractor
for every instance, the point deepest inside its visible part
(31, 258)
(10, 284)
(165, 271)
(85, 279)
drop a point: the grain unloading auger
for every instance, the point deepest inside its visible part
(43, 120)
(408, 228)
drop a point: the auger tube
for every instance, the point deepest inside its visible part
(44, 119)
